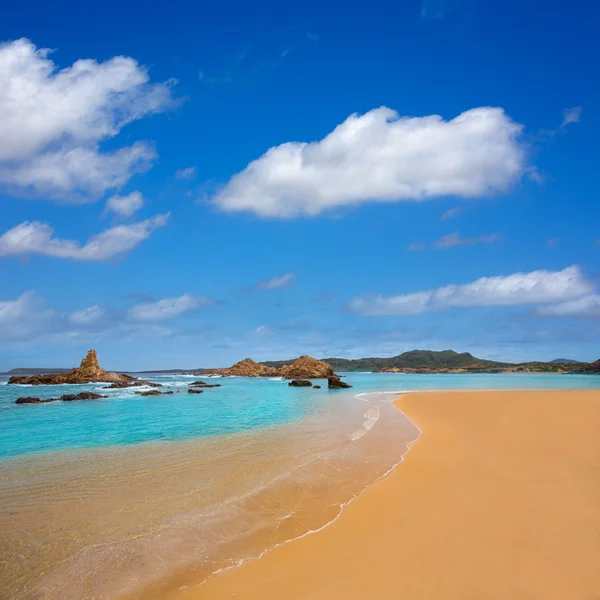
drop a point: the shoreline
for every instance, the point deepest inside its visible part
(249, 580)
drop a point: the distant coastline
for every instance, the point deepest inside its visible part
(414, 361)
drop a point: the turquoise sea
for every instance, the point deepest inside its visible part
(239, 405)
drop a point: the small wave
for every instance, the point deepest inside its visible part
(371, 417)
(276, 379)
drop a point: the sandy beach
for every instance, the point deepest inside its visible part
(497, 499)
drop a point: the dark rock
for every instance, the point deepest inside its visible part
(152, 393)
(195, 391)
(204, 384)
(300, 383)
(334, 382)
(65, 398)
(316, 387)
(131, 383)
(33, 400)
(82, 396)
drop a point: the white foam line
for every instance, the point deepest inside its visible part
(240, 562)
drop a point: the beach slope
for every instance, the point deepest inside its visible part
(499, 498)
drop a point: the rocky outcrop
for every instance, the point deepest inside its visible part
(65, 398)
(154, 393)
(300, 383)
(334, 382)
(305, 367)
(592, 368)
(195, 391)
(246, 368)
(316, 387)
(88, 372)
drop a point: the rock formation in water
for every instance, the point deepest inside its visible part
(154, 393)
(246, 368)
(118, 385)
(204, 384)
(88, 372)
(300, 383)
(193, 390)
(334, 382)
(65, 398)
(305, 367)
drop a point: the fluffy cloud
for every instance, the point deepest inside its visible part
(586, 307)
(455, 239)
(537, 287)
(168, 308)
(22, 318)
(571, 115)
(33, 237)
(380, 156)
(277, 283)
(124, 206)
(52, 121)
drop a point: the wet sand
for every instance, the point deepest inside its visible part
(499, 498)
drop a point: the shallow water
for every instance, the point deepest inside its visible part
(87, 510)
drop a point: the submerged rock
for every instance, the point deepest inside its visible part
(154, 393)
(65, 398)
(316, 387)
(300, 383)
(82, 396)
(33, 400)
(89, 371)
(195, 391)
(117, 385)
(334, 382)
(204, 384)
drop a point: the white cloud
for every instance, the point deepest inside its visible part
(52, 121)
(537, 287)
(188, 173)
(277, 283)
(22, 318)
(168, 308)
(87, 316)
(33, 237)
(586, 307)
(571, 115)
(451, 213)
(455, 239)
(380, 156)
(124, 206)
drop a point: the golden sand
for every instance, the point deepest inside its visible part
(498, 499)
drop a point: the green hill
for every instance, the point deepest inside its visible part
(415, 359)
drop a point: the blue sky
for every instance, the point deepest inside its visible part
(188, 185)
